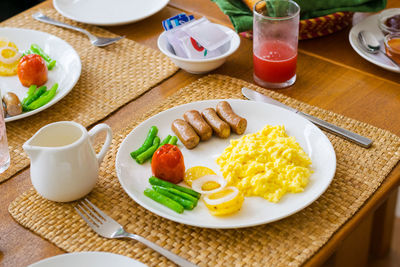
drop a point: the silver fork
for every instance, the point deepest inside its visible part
(97, 41)
(107, 227)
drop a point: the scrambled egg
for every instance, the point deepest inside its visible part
(267, 163)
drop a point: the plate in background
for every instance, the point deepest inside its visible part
(371, 24)
(66, 72)
(108, 12)
(84, 259)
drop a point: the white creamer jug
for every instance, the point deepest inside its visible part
(64, 165)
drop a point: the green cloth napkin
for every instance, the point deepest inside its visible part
(242, 17)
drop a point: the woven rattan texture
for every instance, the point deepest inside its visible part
(111, 77)
(288, 242)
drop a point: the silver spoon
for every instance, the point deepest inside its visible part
(371, 45)
(97, 41)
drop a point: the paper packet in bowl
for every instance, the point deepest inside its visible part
(195, 39)
(208, 35)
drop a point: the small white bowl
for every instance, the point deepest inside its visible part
(199, 66)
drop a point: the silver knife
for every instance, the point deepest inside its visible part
(358, 139)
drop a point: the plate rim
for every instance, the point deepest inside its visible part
(73, 254)
(354, 44)
(99, 23)
(51, 103)
(201, 225)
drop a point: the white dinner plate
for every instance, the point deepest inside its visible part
(85, 259)
(255, 210)
(66, 72)
(108, 12)
(371, 24)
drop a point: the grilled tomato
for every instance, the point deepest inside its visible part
(31, 70)
(168, 164)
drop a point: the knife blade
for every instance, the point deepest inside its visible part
(356, 138)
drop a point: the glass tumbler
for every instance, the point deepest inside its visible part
(275, 39)
(4, 153)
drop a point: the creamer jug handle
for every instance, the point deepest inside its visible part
(94, 131)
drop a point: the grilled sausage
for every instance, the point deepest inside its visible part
(13, 105)
(225, 112)
(220, 128)
(194, 118)
(185, 133)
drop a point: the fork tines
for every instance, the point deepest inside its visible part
(90, 213)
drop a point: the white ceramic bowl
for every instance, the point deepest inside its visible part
(198, 66)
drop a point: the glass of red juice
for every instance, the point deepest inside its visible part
(275, 39)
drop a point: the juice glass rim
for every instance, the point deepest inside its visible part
(277, 18)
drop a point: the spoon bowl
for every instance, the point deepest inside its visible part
(368, 42)
(371, 45)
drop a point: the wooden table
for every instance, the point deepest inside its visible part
(347, 85)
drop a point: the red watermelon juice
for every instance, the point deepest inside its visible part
(275, 62)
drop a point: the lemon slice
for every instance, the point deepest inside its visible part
(8, 50)
(196, 172)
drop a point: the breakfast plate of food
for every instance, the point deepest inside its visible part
(237, 163)
(37, 70)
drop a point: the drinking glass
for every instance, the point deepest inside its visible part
(275, 39)
(4, 153)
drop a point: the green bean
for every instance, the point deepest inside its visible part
(29, 94)
(51, 65)
(183, 195)
(44, 98)
(27, 52)
(37, 50)
(38, 92)
(173, 140)
(147, 143)
(163, 200)
(165, 141)
(187, 204)
(156, 181)
(149, 152)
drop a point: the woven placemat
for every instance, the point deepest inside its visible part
(111, 77)
(288, 242)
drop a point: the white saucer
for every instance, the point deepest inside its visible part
(371, 24)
